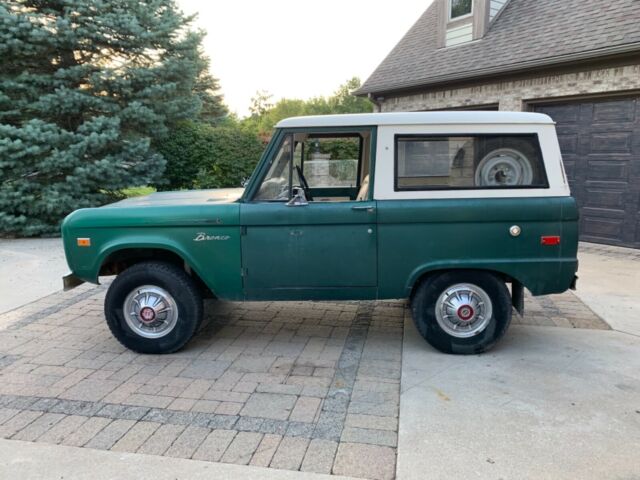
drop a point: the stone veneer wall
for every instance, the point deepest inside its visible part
(513, 94)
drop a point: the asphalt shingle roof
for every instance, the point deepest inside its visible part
(526, 33)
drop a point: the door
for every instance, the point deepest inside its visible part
(600, 143)
(323, 247)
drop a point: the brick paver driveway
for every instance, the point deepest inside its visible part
(310, 386)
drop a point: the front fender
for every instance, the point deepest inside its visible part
(215, 261)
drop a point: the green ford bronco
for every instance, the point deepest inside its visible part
(446, 209)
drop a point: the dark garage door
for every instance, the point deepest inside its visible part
(600, 143)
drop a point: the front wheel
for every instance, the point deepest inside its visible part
(153, 307)
(462, 312)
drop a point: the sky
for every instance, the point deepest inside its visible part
(297, 48)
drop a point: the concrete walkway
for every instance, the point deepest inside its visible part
(38, 461)
(546, 403)
(550, 403)
(30, 269)
(609, 283)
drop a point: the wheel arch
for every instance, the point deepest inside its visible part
(517, 282)
(118, 258)
(423, 274)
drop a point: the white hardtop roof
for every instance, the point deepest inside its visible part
(416, 118)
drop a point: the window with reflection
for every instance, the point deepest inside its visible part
(460, 8)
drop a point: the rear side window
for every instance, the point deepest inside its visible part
(446, 162)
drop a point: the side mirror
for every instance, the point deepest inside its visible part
(299, 199)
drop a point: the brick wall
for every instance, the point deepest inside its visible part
(513, 94)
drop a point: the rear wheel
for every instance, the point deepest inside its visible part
(462, 312)
(153, 307)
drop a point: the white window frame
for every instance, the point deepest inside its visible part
(385, 162)
(466, 15)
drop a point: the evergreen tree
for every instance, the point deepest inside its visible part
(86, 88)
(213, 110)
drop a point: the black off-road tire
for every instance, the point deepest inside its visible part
(169, 277)
(423, 309)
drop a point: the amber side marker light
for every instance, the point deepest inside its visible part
(550, 240)
(84, 242)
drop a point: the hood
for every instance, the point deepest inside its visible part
(186, 197)
(162, 209)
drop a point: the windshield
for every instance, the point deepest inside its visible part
(275, 185)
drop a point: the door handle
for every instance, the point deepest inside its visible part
(368, 208)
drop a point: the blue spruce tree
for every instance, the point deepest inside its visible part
(87, 87)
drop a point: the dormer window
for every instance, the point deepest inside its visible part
(457, 21)
(460, 8)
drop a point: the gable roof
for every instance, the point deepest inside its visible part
(527, 34)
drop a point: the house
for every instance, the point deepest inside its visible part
(577, 61)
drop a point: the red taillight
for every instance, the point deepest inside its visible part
(550, 240)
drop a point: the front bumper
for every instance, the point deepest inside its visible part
(69, 282)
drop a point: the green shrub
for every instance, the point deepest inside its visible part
(203, 156)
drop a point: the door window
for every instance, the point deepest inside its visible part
(330, 161)
(331, 167)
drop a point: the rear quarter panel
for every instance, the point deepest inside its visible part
(431, 230)
(420, 236)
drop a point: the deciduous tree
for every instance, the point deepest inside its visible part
(203, 156)
(265, 115)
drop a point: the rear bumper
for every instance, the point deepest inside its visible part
(70, 282)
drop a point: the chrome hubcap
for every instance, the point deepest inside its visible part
(150, 311)
(463, 310)
(504, 167)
